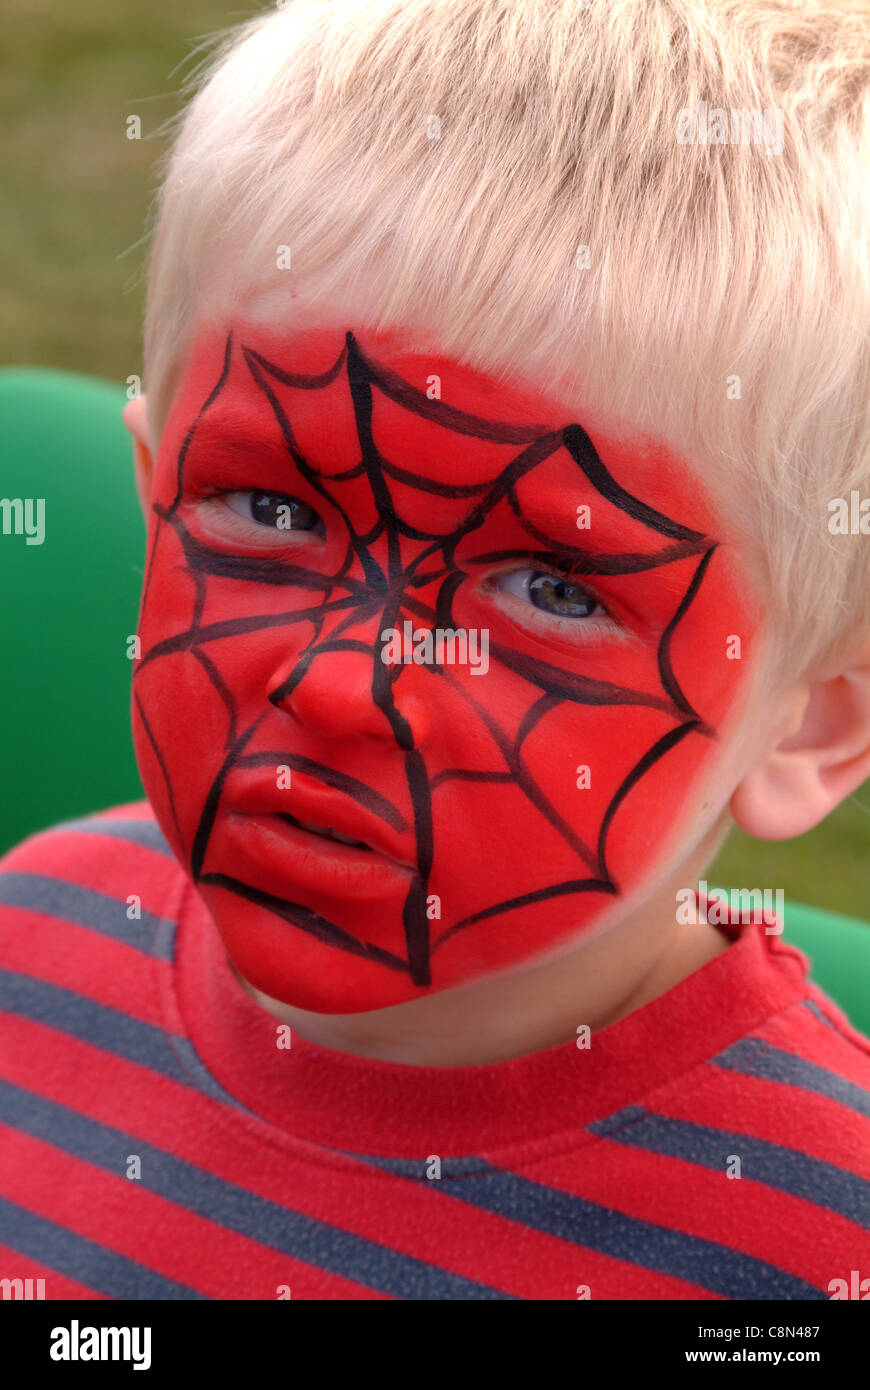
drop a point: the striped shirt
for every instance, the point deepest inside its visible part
(159, 1139)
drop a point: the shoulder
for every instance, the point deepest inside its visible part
(794, 1096)
(810, 1049)
(751, 1171)
(104, 871)
(88, 919)
(88, 838)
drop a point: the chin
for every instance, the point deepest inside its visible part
(296, 969)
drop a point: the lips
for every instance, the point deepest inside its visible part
(329, 832)
(289, 863)
(327, 818)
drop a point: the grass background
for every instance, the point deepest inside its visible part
(76, 195)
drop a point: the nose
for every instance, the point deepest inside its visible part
(346, 691)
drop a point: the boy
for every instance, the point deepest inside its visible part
(494, 406)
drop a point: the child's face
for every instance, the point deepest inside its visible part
(315, 492)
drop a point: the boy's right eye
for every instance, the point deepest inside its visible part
(275, 509)
(251, 515)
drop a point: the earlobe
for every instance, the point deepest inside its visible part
(780, 798)
(135, 417)
(821, 754)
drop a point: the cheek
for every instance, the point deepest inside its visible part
(189, 687)
(599, 796)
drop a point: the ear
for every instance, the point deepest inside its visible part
(135, 418)
(820, 753)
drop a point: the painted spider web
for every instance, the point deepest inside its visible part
(390, 591)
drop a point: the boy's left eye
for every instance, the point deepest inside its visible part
(553, 594)
(274, 509)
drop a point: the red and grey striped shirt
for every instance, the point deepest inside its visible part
(159, 1140)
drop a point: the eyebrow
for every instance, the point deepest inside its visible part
(233, 441)
(553, 506)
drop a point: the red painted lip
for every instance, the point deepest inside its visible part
(280, 853)
(252, 796)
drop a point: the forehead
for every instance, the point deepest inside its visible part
(326, 390)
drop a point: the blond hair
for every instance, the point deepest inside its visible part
(443, 164)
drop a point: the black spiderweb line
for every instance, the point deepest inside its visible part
(389, 592)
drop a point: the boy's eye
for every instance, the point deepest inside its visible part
(276, 510)
(555, 595)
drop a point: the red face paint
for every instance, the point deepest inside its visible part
(505, 797)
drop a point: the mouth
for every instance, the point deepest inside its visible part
(355, 825)
(328, 832)
(282, 853)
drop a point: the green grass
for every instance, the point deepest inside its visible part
(76, 193)
(829, 867)
(75, 190)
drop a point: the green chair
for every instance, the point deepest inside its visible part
(71, 603)
(839, 948)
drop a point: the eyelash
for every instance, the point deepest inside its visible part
(214, 500)
(576, 629)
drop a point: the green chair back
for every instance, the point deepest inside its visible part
(839, 948)
(69, 603)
